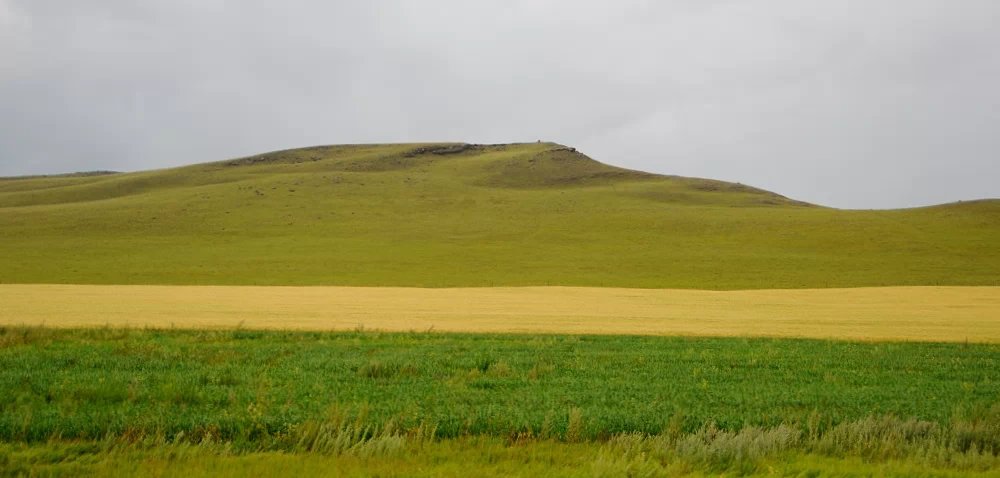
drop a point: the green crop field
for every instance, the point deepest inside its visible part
(408, 215)
(81, 396)
(367, 394)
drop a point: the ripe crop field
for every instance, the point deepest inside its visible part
(713, 403)
(952, 314)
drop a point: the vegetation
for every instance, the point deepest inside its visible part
(928, 314)
(749, 453)
(119, 401)
(453, 215)
(238, 401)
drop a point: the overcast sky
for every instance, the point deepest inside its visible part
(846, 103)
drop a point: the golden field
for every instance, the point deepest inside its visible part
(954, 314)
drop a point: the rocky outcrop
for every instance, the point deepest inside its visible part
(440, 149)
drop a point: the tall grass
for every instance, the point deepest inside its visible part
(877, 439)
(873, 440)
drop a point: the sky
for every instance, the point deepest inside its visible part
(847, 103)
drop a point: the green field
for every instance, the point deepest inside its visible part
(89, 383)
(531, 214)
(366, 394)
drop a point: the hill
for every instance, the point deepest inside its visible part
(468, 215)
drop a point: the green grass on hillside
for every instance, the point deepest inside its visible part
(453, 215)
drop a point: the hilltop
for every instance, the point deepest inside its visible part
(455, 214)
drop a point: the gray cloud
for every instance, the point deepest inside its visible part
(850, 103)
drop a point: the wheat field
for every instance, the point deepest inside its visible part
(953, 314)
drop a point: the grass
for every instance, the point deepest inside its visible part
(243, 385)
(951, 314)
(625, 455)
(516, 215)
(125, 402)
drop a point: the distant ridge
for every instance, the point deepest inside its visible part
(80, 174)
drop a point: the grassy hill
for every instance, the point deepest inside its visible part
(468, 215)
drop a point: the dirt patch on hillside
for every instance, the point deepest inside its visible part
(557, 167)
(298, 155)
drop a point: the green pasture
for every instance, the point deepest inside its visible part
(243, 386)
(237, 402)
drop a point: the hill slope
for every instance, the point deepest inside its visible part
(468, 215)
